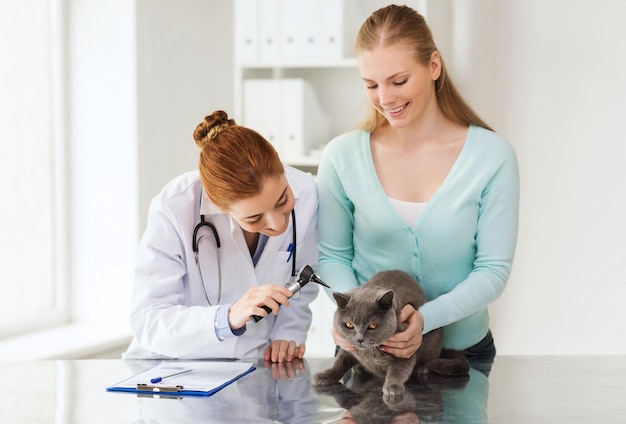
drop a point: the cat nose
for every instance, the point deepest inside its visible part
(360, 341)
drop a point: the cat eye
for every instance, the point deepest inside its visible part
(373, 326)
(349, 325)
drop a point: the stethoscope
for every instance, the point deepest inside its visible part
(194, 245)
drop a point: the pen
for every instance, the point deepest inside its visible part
(290, 250)
(159, 379)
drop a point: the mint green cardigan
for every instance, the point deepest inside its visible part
(460, 249)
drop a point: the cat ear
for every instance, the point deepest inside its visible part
(386, 300)
(342, 299)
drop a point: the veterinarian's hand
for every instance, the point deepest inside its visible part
(342, 342)
(283, 350)
(406, 343)
(270, 295)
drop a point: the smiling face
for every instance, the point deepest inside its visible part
(267, 212)
(396, 85)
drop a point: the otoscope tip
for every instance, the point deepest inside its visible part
(318, 281)
(307, 274)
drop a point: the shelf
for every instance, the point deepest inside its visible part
(303, 161)
(344, 63)
(292, 58)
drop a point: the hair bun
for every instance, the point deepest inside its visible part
(211, 126)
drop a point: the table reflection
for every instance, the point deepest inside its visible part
(427, 399)
(74, 392)
(283, 393)
(521, 390)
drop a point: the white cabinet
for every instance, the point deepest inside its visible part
(296, 80)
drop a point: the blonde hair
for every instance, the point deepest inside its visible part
(400, 24)
(234, 161)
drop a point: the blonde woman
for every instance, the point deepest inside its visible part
(424, 186)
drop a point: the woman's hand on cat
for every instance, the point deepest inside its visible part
(283, 350)
(346, 418)
(406, 343)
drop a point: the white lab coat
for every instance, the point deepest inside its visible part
(170, 316)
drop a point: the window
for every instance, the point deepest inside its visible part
(32, 281)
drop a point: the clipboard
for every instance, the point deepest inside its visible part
(197, 378)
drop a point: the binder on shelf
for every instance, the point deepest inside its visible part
(331, 37)
(296, 32)
(300, 32)
(269, 13)
(261, 108)
(246, 31)
(304, 123)
(290, 35)
(174, 378)
(287, 113)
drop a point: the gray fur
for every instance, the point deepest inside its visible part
(378, 303)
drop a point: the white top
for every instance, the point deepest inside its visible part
(170, 316)
(410, 211)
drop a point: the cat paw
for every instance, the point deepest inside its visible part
(393, 389)
(334, 389)
(324, 379)
(393, 401)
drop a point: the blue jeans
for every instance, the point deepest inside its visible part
(482, 354)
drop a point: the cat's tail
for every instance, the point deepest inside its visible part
(451, 363)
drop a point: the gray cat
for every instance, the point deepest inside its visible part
(367, 316)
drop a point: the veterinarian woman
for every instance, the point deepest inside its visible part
(253, 223)
(424, 186)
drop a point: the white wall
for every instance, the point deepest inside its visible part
(102, 120)
(140, 76)
(184, 72)
(555, 88)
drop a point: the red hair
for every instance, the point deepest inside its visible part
(234, 161)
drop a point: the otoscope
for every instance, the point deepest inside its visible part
(306, 274)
